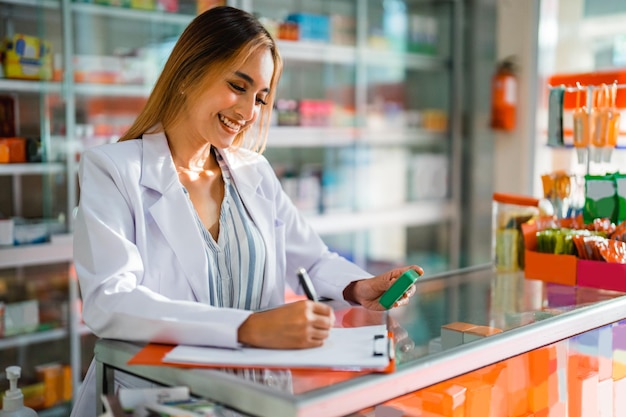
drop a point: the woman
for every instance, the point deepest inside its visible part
(183, 234)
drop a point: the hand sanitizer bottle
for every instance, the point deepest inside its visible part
(13, 401)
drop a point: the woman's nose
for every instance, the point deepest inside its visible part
(247, 108)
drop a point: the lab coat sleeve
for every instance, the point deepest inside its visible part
(110, 268)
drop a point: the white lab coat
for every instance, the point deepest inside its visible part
(140, 258)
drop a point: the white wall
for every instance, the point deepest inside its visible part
(516, 35)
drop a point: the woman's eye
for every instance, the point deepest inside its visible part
(238, 88)
(261, 101)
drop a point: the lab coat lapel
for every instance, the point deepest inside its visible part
(172, 213)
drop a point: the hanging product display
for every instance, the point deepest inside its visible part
(585, 108)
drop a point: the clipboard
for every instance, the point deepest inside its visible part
(356, 349)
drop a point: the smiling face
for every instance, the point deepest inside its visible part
(229, 103)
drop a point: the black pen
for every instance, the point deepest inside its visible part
(307, 284)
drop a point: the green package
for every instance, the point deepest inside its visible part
(620, 188)
(600, 198)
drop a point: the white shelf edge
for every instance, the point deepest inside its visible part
(39, 337)
(49, 4)
(29, 86)
(31, 168)
(410, 214)
(38, 254)
(132, 14)
(386, 58)
(90, 89)
(300, 136)
(344, 54)
(316, 52)
(32, 338)
(402, 136)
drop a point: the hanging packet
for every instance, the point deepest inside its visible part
(600, 197)
(555, 116)
(620, 189)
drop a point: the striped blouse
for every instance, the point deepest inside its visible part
(237, 260)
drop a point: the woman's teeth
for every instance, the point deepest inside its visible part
(231, 125)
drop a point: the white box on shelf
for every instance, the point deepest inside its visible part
(6, 232)
(21, 317)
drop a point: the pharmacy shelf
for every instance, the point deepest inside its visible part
(411, 61)
(31, 168)
(298, 136)
(317, 52)
(26, 86)
(302, 137)
(402, 136)
(32, 338)
(48, 4)
(38, 337)
(112, 90)
(38, 254)
(156, 16)
(410, 214)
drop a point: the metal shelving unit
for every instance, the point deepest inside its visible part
(357, 58)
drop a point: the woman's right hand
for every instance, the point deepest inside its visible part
(298, 325)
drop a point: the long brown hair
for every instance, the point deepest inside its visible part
(219, 39)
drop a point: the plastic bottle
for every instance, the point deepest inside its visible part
(13, 401)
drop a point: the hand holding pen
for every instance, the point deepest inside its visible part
(297, 325)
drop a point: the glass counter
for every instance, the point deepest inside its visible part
(526, 315)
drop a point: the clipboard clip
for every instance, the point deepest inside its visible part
(380, 348)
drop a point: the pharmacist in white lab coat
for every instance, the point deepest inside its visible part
(183, 234)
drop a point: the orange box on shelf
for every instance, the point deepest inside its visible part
(558, 269)
(479, 332)
(16, 148)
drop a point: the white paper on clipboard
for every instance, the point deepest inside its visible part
(365, 347)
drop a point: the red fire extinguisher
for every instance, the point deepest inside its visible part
(504, 96)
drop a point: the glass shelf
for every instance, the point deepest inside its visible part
(48, 4)
(24, 86)
(411, 61)
(317, 52)
(38, 337)
(39, 254)
(112, 90)
(31, 168)
(131, 14)
(409, 214)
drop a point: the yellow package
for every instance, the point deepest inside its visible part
(27, 57)
(143, 4)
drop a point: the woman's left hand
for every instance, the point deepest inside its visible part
(368, 291)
